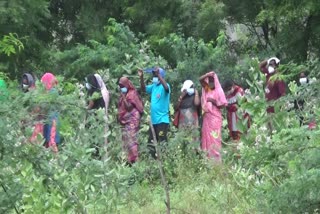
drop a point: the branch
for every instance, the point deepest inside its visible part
(159, 160)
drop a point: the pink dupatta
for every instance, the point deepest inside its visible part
(212, 118)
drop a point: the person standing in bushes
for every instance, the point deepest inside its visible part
(304, 82)
(28, 83)
(212, 101)
(233, 93)
(187, 107)
(187, 111)
(160, 100)
(98, 98)
(51, 127)
(274, 88)
(130, 109)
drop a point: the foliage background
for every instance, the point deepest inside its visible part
(275, 174)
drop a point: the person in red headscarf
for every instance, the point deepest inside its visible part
(51, 128)
(212, 101)
(130, 109)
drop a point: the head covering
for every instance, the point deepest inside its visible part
(104, 92)
(217, 94)
(275, 59)
(162, 72)
(30, 79)
(3, 90)
(186, 85)
(49, 81)
(132, 95)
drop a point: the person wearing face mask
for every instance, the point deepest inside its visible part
(275, 88)
(233, 93)
(212, 101)
(187, 107)
(130, 109)
(99, 97)
(159, 109)
(299, 103)
(27, 82)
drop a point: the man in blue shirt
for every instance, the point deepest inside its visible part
(160, 100)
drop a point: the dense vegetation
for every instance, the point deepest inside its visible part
(278, 174)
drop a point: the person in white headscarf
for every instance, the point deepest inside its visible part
(187, 107)
(275, 88)
(98, 98)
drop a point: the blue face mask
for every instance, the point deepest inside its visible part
(124, 90)
(155, 80)
(190, 91)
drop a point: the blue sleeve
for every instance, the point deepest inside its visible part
(169, 88)
(149, 89)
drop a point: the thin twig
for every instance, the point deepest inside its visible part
(159, 160)
(15, 208)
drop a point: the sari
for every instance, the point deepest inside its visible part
(212, 119)
(130, 120)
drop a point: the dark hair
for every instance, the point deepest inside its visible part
(92, 80)
(227, 84)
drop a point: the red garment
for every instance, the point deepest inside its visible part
(132, 97)
(130, 120)
(274, 89)
(232, 108)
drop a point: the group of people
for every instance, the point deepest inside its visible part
(189, 108)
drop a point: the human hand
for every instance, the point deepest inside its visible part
(183, 93)
(140, 72)
(156, 72)
(211, 73)
(210, 99)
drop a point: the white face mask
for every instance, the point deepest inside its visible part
(88, 86)
(190, 91)
(271, 70)
(155, 80)
(25, 86)
(303, 81)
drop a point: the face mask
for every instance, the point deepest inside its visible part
(155, 80)
(190, 91)
(303, 81)
(25, 86)
(88, 86)
(124, 90)
(271, 69)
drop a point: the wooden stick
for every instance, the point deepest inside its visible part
(159, 160)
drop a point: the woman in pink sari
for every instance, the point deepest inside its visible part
(130, 108)
(212, 100)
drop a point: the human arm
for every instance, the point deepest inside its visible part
(182, 95)
(162, 81)
(263, 66)
(202, 79)
(127, 104)
(196, 98)
(90, 105)
(214, 102)
(142, 84)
